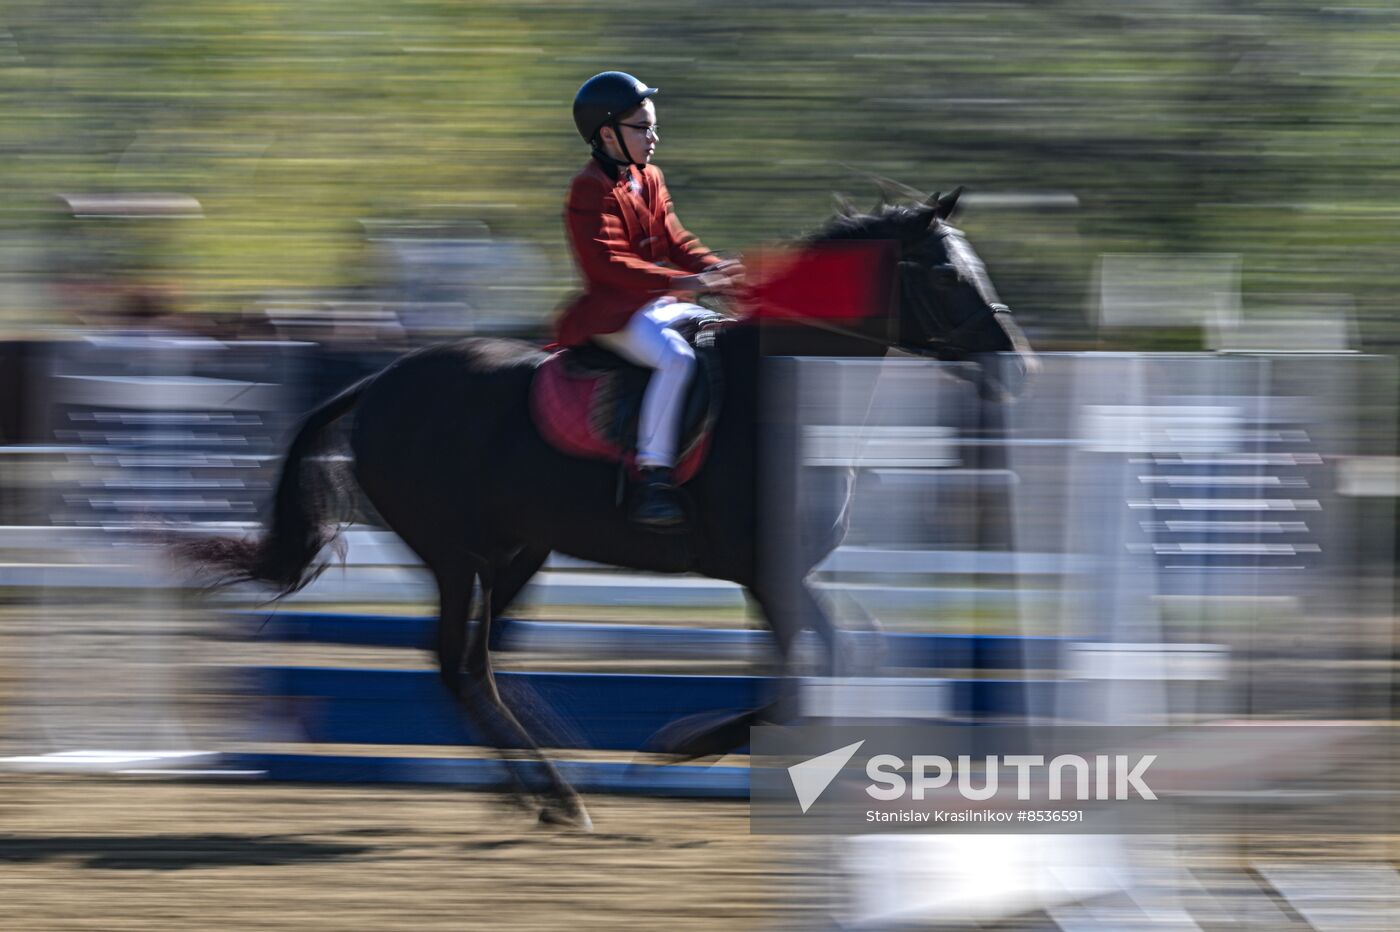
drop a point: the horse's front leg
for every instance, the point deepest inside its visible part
(789, 611)
(792, 607)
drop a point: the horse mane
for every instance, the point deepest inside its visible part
(887, 222)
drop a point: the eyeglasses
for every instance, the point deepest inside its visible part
(649, 130)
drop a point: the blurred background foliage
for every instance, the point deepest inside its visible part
(1263, 128)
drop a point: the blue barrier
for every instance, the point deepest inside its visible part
(599, 711)
(681, 780)
(924, 651)
(602, 711)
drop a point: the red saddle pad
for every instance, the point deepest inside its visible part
(575, 409)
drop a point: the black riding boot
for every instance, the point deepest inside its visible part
(654, 504)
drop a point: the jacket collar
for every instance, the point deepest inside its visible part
(617, 171)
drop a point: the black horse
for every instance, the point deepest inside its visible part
(445, 449)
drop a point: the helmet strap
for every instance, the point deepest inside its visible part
(621, 143)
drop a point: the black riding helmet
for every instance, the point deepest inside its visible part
(602, 99)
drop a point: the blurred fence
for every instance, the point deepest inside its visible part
(1216, 559)
(1186, 527)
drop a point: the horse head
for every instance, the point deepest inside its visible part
(947, 305)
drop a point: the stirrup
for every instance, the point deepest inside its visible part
(655, 504)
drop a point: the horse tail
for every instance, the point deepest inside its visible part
(302, 517)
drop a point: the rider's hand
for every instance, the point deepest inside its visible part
(711, 281)
(733, 268)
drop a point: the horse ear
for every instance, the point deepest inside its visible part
(917, 224)
(844, 206)
(944, 205)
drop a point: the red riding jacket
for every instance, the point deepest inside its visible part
(629, 246)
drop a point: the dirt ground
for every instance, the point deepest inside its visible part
(123, 853)
(100, 853)
(107, 853)
(97, 852)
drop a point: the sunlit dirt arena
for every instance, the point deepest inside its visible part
(99, 853)
(119, 852)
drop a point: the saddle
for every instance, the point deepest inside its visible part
(587, 401)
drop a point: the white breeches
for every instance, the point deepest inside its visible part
(648, 340)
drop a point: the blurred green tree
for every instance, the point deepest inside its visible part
(1266, 128)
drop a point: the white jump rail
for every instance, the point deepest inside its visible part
(378, 567)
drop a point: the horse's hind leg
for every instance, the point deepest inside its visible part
(453, 631)
(512, 577)
(565, 806)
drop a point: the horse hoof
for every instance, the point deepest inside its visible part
(570, 816)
